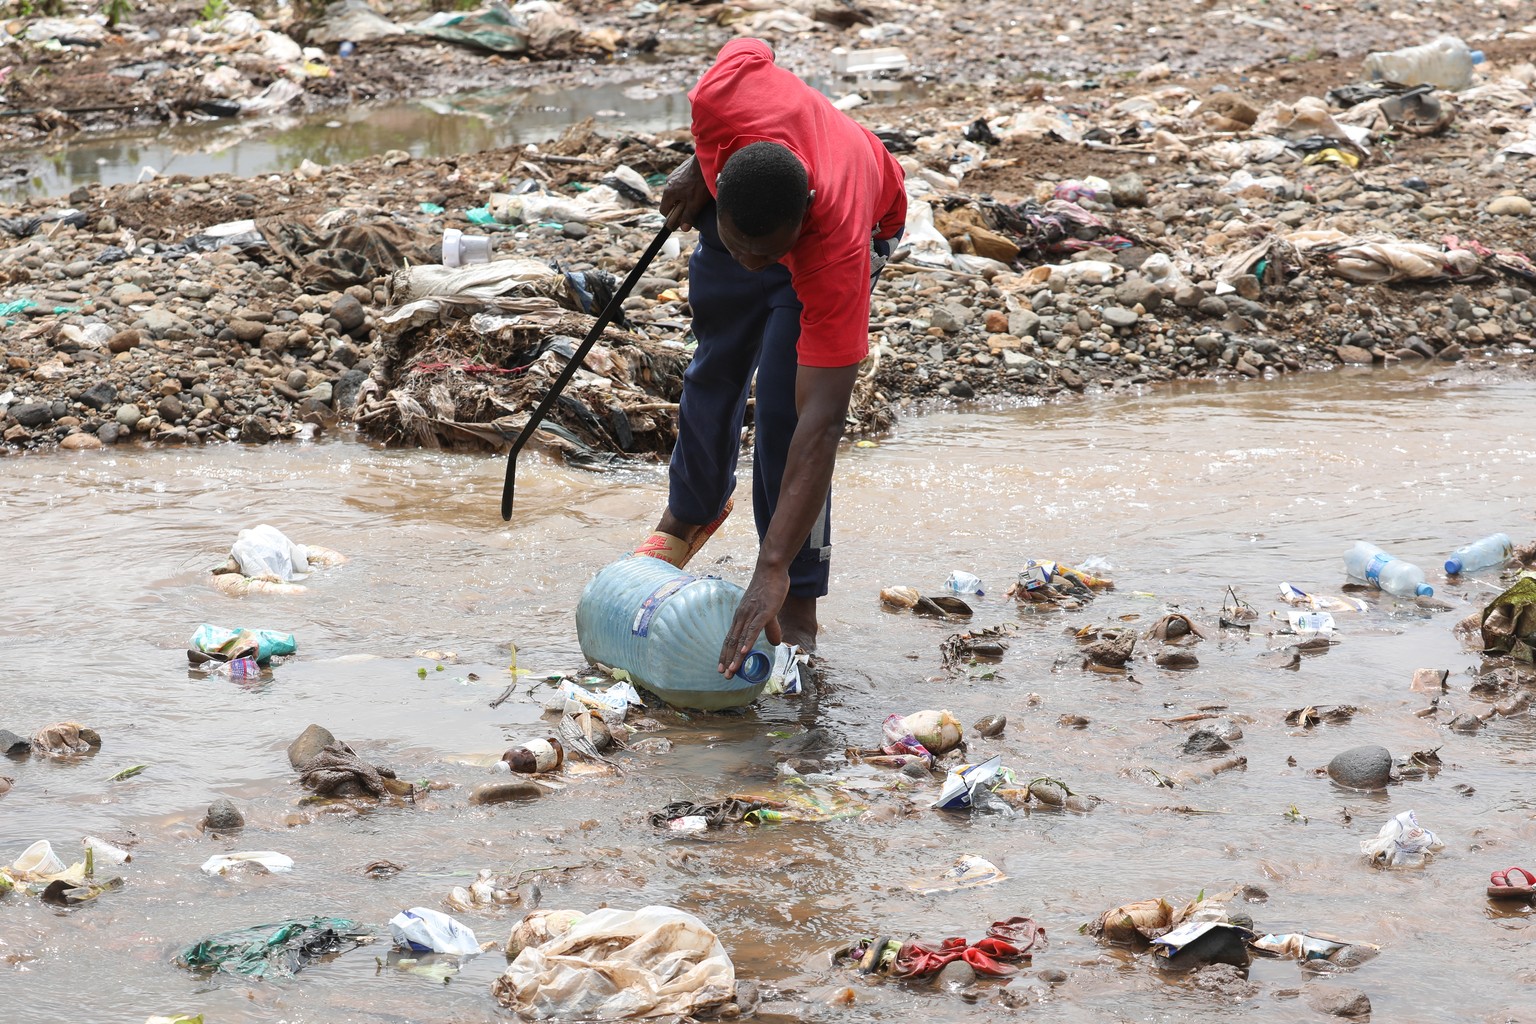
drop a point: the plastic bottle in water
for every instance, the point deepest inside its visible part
(1494, 549)
(665, 628)
(1369, 563)
(1445, 63)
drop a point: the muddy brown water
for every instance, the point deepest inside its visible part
(1184, 491)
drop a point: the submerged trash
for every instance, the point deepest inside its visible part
(1488, 552)
(966, 782)
(1372, 565)
(272, 950)
(1402, 842)
(652, 962)
(264, 561)
(535, 756)
(1512, 883)
(265, 861)
(1204, 942)
(968, 872)
(1320, 602)
(431, 931)
(1508, 623)
(1303, 947)
(338, 772)
(64, 739)
(1008, 945)
(927, 734)
(224, 644)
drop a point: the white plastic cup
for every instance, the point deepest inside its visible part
(461, 250)
(39, 859)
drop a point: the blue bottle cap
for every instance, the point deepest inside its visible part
(1452, 566)
(1425, 590)
(1478, 57)
(755, 667)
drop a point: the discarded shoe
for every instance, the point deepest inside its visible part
(1502, 886)
(676, 551)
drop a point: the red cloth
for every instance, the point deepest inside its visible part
(1007, 942)
(860, 193)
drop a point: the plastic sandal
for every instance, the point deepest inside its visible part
(676, 551)
(1502, 888)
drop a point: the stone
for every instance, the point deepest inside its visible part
(79, 268)
(1205, 741)
(1138, 291)
(1188, 296)
(122, 341)
(344, 392)
(1128, 189)
(996, 321)
(956, 976)
(196, 290)
(99, 395)
(1354, 354)
(109, 433)
(80, 442)
(170, 409)
(1023, 323)
(223, 816)
(946, 320)
(1337, 1000)
(1053, 976)
(1211, 306)
(310, 742)
(162, 323)
(349, 313)
(574, 230)
(1179, 661)
(1119, 316)
(12, 745)
(503, 792)
(1451, 354)
(1364, 767)
(247, 332)
(128, 416)
(33, 414)
(1503, 206)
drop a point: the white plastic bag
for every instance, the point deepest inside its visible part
(266, 551)
(928, 247)
(225, 863)
(651, 962)
(431, 931)
(1402, 843)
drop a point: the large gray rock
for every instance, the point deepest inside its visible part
(99, 395)
(223, 816)
(1337, 1000)
(33, 414)
(310, 742)
(349, 313)
(13, 745)
(1367, 767)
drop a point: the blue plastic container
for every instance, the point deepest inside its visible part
(665, 626)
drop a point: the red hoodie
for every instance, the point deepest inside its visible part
(746, 98)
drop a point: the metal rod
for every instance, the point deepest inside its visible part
(609, 312)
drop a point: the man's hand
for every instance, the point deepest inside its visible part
(684, 195)
(758, 611)
(821, 400)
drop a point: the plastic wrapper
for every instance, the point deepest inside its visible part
(1402, 843)
(423, 930)
(620, 964)
(269, 861)
(967, 781)
(265, 552)
(231, 643)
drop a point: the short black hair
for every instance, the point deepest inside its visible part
(763, 188)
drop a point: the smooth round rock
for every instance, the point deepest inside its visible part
(128, 416)
(504, 792)
(349, 313)
(956, 975)
(223, 816)
(1367, 767)
(1119, 316)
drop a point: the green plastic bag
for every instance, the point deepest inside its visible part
(271, 950)
(228, 644)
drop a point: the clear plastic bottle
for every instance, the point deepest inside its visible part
(1445, 63)
(665, 628)
(1494, 549)
(1369, 563)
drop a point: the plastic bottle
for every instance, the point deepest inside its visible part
(1494, 549)
(535, 756)
(1369, 563)
(461, 250)
(665, 628)
(1445, 63)
(962, 582)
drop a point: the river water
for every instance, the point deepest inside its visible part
(1184, 491)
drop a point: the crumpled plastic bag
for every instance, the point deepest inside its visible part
(615, 964)
(265, 552)
(1401, 843)
(431, 931)
(1384, 262)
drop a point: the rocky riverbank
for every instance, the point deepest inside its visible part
(1066, 236)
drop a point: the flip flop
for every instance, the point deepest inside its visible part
(1504, 889)
(676, 551)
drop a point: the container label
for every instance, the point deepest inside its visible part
(651, 605)
(1373, 571)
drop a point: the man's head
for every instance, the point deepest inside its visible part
(762, 196)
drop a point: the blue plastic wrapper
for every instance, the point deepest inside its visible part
(228, 644)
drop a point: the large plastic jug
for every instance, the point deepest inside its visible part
(664, 627)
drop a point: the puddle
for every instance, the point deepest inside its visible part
(462, 123)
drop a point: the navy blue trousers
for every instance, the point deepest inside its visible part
(744, 321)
